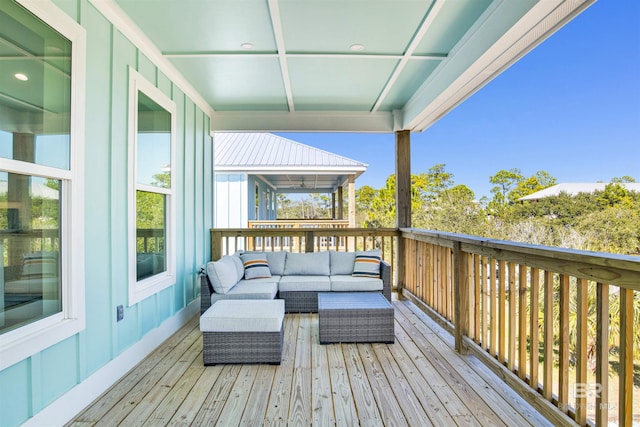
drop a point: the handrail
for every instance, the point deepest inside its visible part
(514, 305)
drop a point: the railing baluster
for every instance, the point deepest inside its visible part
(477, 289)
(582, 349)
(534, 353)
(563, 385)
(625, 399)
(501, 310)
(602, 354)
(547, 378)
(522, 322)
(512, 318)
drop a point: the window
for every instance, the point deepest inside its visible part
(41, 187)
(152, 135)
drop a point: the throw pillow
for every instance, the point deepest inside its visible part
(222, 274)
(255, 265)
(367, 264)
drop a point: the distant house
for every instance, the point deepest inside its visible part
(251, 169)
(575, 188)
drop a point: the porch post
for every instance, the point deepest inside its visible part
(403, 199)
(340, 204)
(333, 205)
(352, 202)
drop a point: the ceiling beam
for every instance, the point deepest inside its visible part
(408, 54)
(276, 24)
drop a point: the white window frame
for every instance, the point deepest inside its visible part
(141, 289)
(23, 342)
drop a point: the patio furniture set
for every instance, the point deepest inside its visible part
(245, 297)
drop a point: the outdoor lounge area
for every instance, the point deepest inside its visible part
(114, 107)
(418, 381)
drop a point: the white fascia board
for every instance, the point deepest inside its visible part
(545, 18)
(304, 121)
(135, 35)
(300, 170)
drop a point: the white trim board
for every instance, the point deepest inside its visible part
(79, 397)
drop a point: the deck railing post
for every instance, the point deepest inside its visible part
(308, 241)
(216, 245)
(460, 295)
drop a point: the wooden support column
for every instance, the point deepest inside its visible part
(403, 199)
(352, 201)
(340, 203)
(333, 205)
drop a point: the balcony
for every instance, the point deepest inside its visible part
(487, 332)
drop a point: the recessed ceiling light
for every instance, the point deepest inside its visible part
(21, 76)
(247, 46)
(356, 47)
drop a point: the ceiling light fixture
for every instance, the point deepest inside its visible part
(247, 46)
(356, 47)
(20, 76)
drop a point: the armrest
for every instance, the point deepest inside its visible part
(385, 275)
(205, 293)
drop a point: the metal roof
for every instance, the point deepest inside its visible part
(287, 165)
(575, 188)
(348, 65)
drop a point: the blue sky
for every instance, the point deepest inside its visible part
(570, 107)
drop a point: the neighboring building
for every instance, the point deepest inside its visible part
(251, 169)
(575, 188)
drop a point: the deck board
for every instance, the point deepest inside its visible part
(419, 380)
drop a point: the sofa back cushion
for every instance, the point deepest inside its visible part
(342, 262)
(276, 262)
(223, 274)
(255, 265)
(307, 264)
(367, 264)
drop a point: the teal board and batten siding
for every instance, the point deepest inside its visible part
(29, 386)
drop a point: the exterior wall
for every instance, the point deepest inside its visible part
(230, 196)
(31, 385)
(264, 212)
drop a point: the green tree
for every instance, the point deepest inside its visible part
(504, 181)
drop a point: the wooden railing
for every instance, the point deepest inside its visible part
(557, 325)
(225, 241)
(300, 223)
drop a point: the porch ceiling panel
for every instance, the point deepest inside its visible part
(329, 65)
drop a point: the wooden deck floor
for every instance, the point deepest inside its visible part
(420, 380)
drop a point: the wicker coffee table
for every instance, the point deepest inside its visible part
(355, 317)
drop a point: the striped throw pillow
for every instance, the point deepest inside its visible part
(367, 264)
(255, 265)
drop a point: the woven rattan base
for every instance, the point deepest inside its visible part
(242, 347)
(355, 317)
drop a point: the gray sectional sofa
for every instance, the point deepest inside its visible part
(295, 277)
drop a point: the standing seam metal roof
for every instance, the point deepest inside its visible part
(272, 151)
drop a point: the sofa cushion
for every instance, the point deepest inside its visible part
(255, 265)
(222, 274)
(266, 288)
(277, 261)
(348, 283)
(243, 316)
(342, 262)
(237, 261)
(307, 264)
(304, 283)
(367, 264)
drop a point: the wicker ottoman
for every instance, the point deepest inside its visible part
(243, 331)
(355, 317)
